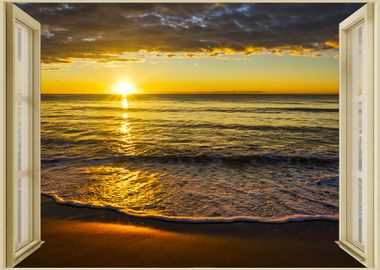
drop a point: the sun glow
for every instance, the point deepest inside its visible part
(124, 88)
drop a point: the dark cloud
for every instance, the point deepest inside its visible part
(93, 31)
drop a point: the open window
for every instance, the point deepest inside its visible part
(357, 185)
(23, 135)
(356, 135)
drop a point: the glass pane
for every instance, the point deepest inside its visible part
(23, 134)
(356, 137)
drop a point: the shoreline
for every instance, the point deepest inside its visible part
(85, 237)
(195, 220)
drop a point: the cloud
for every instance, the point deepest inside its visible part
(88, 31)
(116, 59)
(332, 43)
(52, 68)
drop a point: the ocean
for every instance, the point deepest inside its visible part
(194, 158)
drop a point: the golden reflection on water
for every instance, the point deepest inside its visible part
(127, 146)
(124, 102)
(126, 187)
(125, 129)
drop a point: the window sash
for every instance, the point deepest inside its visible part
(356, 171)
(23, 135)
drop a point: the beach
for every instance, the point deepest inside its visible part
(190, 181)
(84, 237)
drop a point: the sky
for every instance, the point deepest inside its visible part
(190, 48)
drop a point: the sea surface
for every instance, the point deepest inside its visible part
(194, 158)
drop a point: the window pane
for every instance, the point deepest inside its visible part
(356, 138)
(23, 133)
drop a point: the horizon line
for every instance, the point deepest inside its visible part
(137, 94)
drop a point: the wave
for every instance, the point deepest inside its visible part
(238, 110)
(188, 219)
(207, 125)
(66, 141)
(249, 159)
(202, 109)
(329, 181)
(300, 129)
(312, 109)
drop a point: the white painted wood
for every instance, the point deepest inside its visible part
(377, 136)
(2, 136)
(23, 135)
(356, 135)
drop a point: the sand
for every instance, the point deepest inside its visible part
(83, 237)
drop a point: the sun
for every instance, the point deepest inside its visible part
(124, 88)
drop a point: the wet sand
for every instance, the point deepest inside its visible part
(84, 237)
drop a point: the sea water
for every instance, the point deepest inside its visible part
(194, 158)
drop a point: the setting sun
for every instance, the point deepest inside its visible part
(124, 88)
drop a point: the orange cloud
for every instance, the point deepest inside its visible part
(332, 43)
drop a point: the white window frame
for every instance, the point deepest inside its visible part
(374, 234)
(16, 254)
(362, 254)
